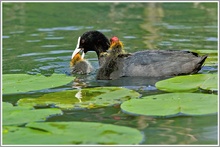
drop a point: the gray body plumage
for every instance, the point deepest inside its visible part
(152, 63)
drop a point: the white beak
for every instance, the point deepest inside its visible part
(77, 50)
(82, 56)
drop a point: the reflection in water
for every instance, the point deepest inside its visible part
(182, 130)
(153, 15)
(15, 13)
(78, 84)
(79, 95)
(143, 85)
(209, 10)
(144, 122)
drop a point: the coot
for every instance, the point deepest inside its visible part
(115, 63)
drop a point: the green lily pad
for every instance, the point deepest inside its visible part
(83, 98)
(17, 115)
(18, 83)
(172, 104)
(70, 133)
(189, 83)
(211, 83)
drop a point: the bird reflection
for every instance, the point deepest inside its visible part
(79, 84)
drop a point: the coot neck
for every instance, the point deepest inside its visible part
(101, 49)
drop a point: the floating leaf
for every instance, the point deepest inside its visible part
(210, 83)
(172, 104)
(189, 83)
(70, 133)
(17, 83)
(85, 98)
(17, 115)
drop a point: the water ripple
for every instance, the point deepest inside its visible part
(60, 51)
(129, 37)
(211, 39)
(105, 30)
(68, 28)
(16, 32)
(49, 46)
(169, 26)
(46, 59)
(29, 54)
(180, 40)
(53, 38)
(4, 37)
(33, 40)
(47, 53)
(34, 35)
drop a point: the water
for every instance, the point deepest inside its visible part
(40, 38)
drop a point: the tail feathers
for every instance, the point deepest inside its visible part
(199, 64)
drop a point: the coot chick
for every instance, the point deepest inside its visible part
(79, 65)
(116, 47)
(148, 63)
(110, 68)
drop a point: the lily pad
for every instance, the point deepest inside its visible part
(17, 115)
(211, 83)
(172, 104)
(48, 133)
(18, 83)
(83, 98)
(189, 83)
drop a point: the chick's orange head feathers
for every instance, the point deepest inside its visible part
(114, 41)
(75, 59)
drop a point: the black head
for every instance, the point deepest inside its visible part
(94, 41)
